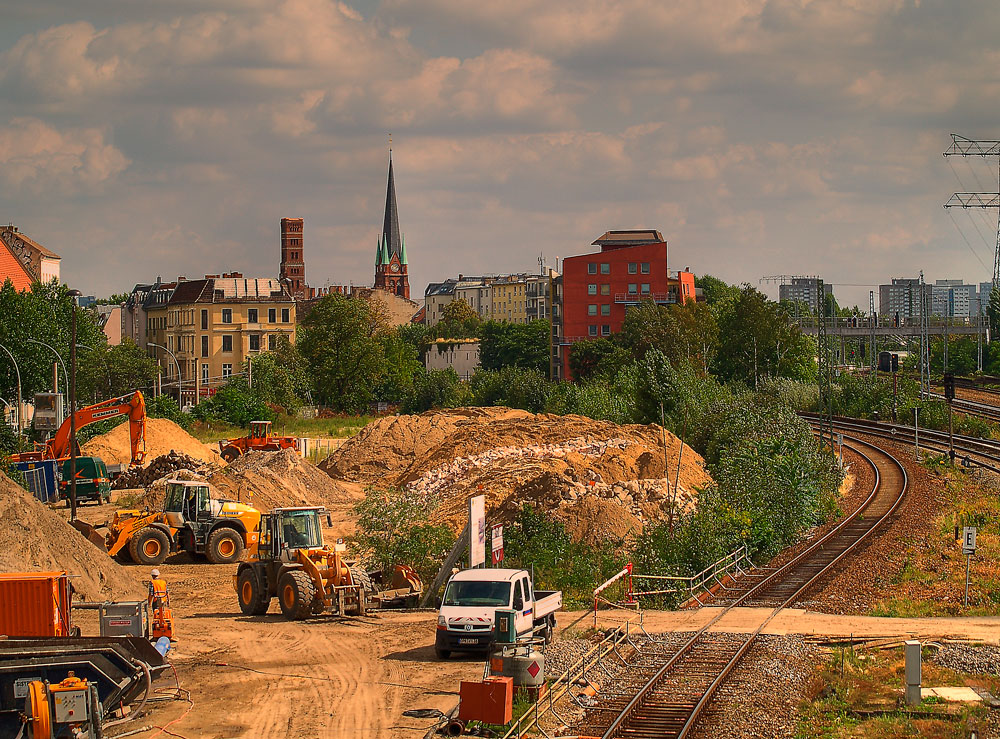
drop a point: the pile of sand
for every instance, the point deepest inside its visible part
(601, 479)
(34, 538)
(278, 479)
(162, 437)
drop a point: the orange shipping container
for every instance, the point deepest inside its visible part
(490, 700)
(34, 604)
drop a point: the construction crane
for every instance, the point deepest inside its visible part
(132, 405)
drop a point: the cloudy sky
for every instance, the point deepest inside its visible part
(760, 136)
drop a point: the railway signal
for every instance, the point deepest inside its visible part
(968, 549)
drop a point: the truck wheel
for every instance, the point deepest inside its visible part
(296, 593)
(149, 546)
(225, 546)
(230, 453)
(254, 600)
(360, 577)
(442, 653)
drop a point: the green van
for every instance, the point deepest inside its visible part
(92, 481)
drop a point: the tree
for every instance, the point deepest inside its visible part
(339, 340)
(685, 332)
(587, 358)
(503, 344)
(402, 365)
(716, 290)
(113, 371)
(434, 389)
(458, 321)
(280, 376)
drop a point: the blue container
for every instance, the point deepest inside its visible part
(42, 478)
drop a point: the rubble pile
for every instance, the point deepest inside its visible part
(162, 466)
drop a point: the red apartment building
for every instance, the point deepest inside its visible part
(598, 288)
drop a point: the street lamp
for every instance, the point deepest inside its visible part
(180, 382)
(17, 372)
(73, 294)
(58, 356)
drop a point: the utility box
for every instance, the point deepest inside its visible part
(48, 411)
(127, 618)
(911, 650)
(490, 700)
(504, 629)
(35, 604)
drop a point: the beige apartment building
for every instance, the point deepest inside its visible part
(211, 326)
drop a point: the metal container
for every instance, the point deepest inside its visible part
(35, 604)
(503, 626)
(42, 477)
(127, 618)
(526, 666)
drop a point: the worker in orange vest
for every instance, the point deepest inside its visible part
(159, 604)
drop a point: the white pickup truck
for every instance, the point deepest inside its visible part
(471, 599)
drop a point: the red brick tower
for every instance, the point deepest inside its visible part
(293, 264)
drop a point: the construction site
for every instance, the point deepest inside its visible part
(203, 581)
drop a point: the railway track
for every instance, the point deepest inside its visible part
(666, 696)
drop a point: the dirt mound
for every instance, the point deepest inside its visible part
(601, 479)
(34, 538)
(276, 479)
(162, 437)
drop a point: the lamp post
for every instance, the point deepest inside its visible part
(58, 356)
(180, 383)
(17, 372)
(73, 294)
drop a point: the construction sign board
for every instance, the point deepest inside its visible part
(477, 531)
(497, 544)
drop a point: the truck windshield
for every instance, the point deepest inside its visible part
(472, 593)
(301, 529)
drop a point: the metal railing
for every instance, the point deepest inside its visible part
(575, 676)
(735, 562)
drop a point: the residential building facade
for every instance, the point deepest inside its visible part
(803, 290)
(900, 299)
(461, 355)
(23, 260)
(436, 297)
(598, 288)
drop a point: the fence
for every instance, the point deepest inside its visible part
(318, 449)
(737, 561)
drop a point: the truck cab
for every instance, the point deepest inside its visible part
(471, 599)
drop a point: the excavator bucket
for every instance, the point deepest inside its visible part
(90, 532)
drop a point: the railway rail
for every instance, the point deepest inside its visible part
(666, 697)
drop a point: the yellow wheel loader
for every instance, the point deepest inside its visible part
(291, 563)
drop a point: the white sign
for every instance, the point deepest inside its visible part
(969, 540)
(497, 544)
(477, 531)
(21, 686)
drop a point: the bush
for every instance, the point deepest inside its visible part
(434, 389)
(394, 528)
(515, 387)
(163, 406)
(234, 404)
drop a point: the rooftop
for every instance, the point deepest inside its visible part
(629, 237)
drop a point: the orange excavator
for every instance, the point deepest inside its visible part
(132, 405)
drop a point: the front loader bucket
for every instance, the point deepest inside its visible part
(90, 532)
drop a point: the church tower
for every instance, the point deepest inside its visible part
(390, 258)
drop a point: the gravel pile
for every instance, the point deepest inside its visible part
(979, 660)
(141, 477)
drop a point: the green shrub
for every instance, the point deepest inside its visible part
(163, 406)
(434, 389)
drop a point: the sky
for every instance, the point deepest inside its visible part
(761, 137)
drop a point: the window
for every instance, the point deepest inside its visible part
(272, 342)
(227, 343)
(272, 315)
(170, 344)
(605, 330)
(605, 268)
(285, 315)
(645, 288)
(645, 268)
(227, 315)
(592, 310)
(251, 315)
(605, 310)
(592, 330)
(633, 268)
(204, 346)
(204, 320)
(591, 289)
(255, 342)
(605, 289)
(592, 268)
(227, 370)
(633, 288)
(204, 373)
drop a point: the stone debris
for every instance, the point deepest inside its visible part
(162, 466)
(977, 660)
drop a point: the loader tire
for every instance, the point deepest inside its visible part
(254, 600)
(296, 594)
(360, 577)
(149, 546)
(225, 546)
(230, 453)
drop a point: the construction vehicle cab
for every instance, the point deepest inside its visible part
(193, 520)
(259, 439)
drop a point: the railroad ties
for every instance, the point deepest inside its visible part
(663, 694)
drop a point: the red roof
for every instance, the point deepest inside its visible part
(12, 269)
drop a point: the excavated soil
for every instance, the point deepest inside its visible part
(601, 479)
(162, 437)
(35, 538)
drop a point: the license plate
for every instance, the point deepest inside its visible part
(468, 641)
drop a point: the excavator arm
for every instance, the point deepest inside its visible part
(132, 405)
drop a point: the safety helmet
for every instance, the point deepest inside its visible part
(154, 574)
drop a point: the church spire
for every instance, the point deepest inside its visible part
(390, 224)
